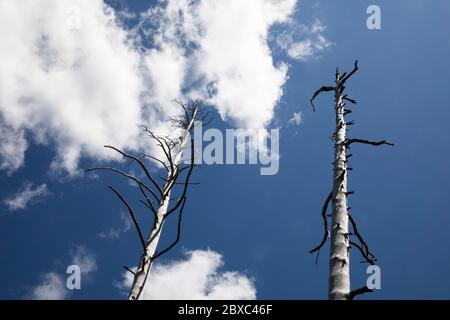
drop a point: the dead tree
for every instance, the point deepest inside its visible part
(156, 196)
(341, 238)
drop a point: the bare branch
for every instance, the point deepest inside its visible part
(363, 253)
(169, 155)
(156, 159)
(186, 119)
(146, 197)
(177, 122)
(339, 276)
(356, 232)
(181, 198)
(133, 217)
(152, 209)
(355, 68)
(181, 104)
(352, 101)
(129, 176)
(326, 234)
(190, 112)
(141, 165)
(188, 176)
(364, 248)
(319, 91)
(129, 270)
(359, 291)
(173, 244)
(173, 149)
(373, 143)
(159, 139)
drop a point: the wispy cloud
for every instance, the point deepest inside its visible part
(302, 42)
(53, 284)
(85, 259)
(196, 277)
(52, 287)
(26, 196)
(12, 146)
(115, 233)
(296, 119)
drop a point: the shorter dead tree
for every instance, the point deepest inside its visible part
(341, 238)
(156, 192)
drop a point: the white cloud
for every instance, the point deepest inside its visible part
(197, 277)
(12, 147)
(72, 76)
(115, 233)
(28, 194)
(228, 61)
(303, 42)
(53, 285)
(76, 87)
(85, 259)
(297, 119)
(112, 233)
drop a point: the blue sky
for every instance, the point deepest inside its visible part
(263, 226)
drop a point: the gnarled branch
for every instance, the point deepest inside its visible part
(129, 176)
(352, 101)
(173, 244)
(181, 198)
(363, 141)
(133, 217)
(144, 168)
(319, 91)
(129, 270)
(346, 77)
(359, 291)
(326, 234)
(364, 248)
(370, 261)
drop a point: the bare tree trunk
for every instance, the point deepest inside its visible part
(148, 255)
(340, 243)
(157, 196)
(339, 275)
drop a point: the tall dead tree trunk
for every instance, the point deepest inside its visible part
(157, 198)
(339, 235)
(150, 253)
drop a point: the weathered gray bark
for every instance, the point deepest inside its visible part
(147, 257)
(339, 233)
(157, 198)
(339, 274)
